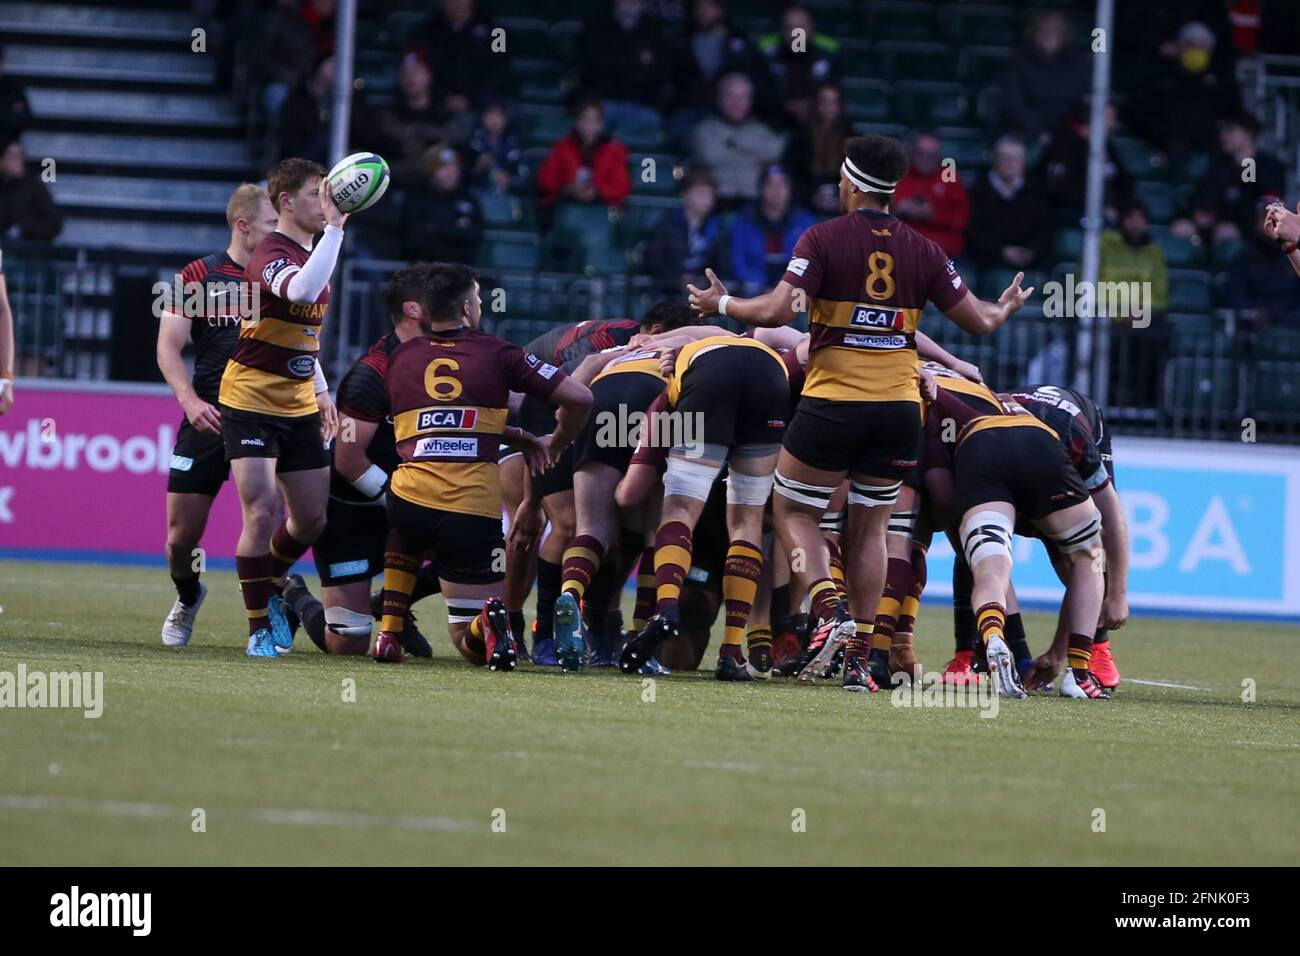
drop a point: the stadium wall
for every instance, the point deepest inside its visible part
(1215, 527)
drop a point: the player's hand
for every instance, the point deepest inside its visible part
(551, 450)
(705, 301)
(929, 389)
(329, 416)
(1043, 671)
(969, 371)
(526, 526)
(330, 211)
(668, 362)
(1013, 298)
(1114, 611)
(530, 445)
(1282, 225)
(6, 395)
(202, 416)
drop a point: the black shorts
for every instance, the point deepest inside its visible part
(538, 418)
(468, 549)
(199, 465)
(740, 394)
(607, 437)
(294, 443)
(875, 439)
(1024, 466)
(351, 548)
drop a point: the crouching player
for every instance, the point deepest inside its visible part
(1014, 464)
(448, 392)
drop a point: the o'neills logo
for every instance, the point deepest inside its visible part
(75, 909)
(440, 447)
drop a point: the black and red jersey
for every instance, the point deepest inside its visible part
(362, 396)
(214, 328)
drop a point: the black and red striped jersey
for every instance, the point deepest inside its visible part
(577, 340)
(362, 396)
(1079, 422)
(214, 328)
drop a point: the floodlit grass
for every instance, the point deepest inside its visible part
(582, 769)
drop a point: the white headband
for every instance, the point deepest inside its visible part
(867, 184)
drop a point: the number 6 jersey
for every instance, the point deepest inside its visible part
(448, 393)
(867, 277)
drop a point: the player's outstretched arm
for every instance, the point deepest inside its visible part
(978, 317)
(929, 349)
(679, 337)
(770, 310)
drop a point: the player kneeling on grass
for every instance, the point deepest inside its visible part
(1014, 464)
(448, 392)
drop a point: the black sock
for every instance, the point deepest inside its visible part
(963, 618)
(187, 589)
(426, 582)
(310, 613)
(780, 603)
(548, 589)
(1016, 640)
(517, 625)
(1101, 637)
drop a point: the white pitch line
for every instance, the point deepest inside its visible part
(304, 817)
(1162, 683)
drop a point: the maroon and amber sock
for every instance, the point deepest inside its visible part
(758, 638)
(285, 550)
(257, 586)
(898, 578)
(1080, 652)
(837, 567)
(858, 647)
(912, 600)
(645, 589)
(400, 570)
(672, 561)
(990, 621)
(824, 596)
(740, 575)
(581, 560)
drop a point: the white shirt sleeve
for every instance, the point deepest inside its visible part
(306, 285)
(321, 384)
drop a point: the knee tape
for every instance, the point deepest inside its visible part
(873, 496)
(814, 496)
(748, 489)
(902, 523)
(1084, 536)
(986, 534)
(690, 477)
(833, 522)
(347, 623)
(462, 611)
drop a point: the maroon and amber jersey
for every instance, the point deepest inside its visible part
(275, 361)
(693, 350)
(867, 277)
(362, 396)
(448, 394)
(959, 403)
(641, 362)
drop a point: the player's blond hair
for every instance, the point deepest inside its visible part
(245, 203)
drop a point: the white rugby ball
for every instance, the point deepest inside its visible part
(358, 181)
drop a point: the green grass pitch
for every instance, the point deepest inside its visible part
(437, 762)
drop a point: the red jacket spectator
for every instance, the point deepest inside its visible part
(587, 165)
(936, 207)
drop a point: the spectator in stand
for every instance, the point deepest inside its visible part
(1129, 255)
(412, 124)
(456, 43)
(1224, 206)
(1044, 80)
(1009, 214)
(497, 152)
(587, 165)
(930, 198)
(15, 114)
(816, 151)
(27, 210)
(1259, 279)
(710, 48)
(687, 239)
(1067, 169)
(626, 61)
(1198, 75)
(441, 221)
(734, 146)
(763, 235)
(796, 61)
(1139, 336)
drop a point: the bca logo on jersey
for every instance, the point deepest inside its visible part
(864, 316)
(268, 274)
(464, 418)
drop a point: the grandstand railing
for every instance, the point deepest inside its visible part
(87, 314)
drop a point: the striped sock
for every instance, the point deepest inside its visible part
(912, 600)
(740, 575)
(1080, 652)
(581, 560)
(991, 620)
(825, 599)
(285, 550)
(257, 586)
(645, 589)
(859, 645)
(759, 637)
(400, 570)
(837, 568)
(672, 561)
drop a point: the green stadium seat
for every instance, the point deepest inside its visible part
(658, 179)
(606, 260)
(1138, 159)
(1226, 252)
(980, 23)
(924, 103)
(1189, 291)
(903, 20)
(501, 210)
(916, 61)
(1068, 244)
(1203, 387)
(1158, 198)
(641, 134)
(527, 37)
(1191, 334)
(638, 217)
(993, 282)
(1277, 390)
(1180, 253)
(867, 99)
(519, 253)
(980, 66)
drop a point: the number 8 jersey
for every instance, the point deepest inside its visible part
(867, 277)
(449, 393)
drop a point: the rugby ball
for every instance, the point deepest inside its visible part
(357, 181)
